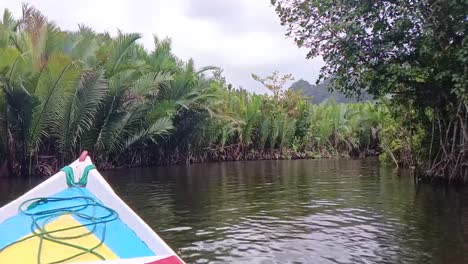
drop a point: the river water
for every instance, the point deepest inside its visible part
(302, 211)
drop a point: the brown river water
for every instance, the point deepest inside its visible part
(302, 211)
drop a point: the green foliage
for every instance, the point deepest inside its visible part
(61, 92)
(286, 120)
(56, 82)
(401, 142)
(414, 52)
(64, 91)
(383, 46)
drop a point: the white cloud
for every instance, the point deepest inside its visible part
(241, 36)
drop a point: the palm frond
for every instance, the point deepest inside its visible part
(264, 132)
(81, 108)
(59, 78)
(207, 68)
(162, 59)
(8, 19)
(120, 49)
(158, 130)
(7, 28)
(119, 127)
(150, 83)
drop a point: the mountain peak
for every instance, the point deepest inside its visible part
(318, 93)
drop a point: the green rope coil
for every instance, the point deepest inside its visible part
(40, 218)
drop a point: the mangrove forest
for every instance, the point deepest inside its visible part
(62, 92)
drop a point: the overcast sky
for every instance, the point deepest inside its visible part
(240, 36)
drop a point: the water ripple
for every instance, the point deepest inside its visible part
(329, 211)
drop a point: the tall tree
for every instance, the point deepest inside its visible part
(415, 50)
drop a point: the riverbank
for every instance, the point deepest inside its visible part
(229, 153)
(49, 165)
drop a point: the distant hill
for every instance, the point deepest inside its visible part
(320, 92)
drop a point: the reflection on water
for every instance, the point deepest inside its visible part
(305, 211)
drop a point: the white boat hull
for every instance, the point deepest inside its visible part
(98, 186)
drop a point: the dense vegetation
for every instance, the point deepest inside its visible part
(61, 92)
(412, 51)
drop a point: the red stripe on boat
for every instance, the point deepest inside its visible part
(168, 260)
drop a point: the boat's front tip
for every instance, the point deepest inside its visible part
(128, 239)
